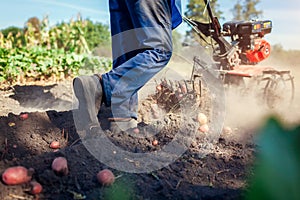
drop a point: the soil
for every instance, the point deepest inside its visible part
(219, 173)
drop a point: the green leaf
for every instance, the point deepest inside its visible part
(277, 169)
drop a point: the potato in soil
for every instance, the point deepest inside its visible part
(35, 187)
(16, 175)
(106, 177)
(60, 166)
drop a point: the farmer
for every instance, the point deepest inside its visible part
(141, 46)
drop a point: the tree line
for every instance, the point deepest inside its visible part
(241, 10)
(32, 50)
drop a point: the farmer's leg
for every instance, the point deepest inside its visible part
(120, 21)
(152, 23)
(123, 39)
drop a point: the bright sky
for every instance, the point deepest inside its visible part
(284, 14)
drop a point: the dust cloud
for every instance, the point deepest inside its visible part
(247, 112)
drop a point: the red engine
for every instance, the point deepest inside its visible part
(261, 50)
(246, 45)
(249, 37)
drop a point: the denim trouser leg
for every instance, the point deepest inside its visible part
(121, 22)
(142, 46)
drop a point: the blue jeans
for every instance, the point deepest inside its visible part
(142, 46)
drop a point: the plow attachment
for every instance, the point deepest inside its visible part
(273, 87)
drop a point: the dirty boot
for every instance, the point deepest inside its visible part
(88, 91)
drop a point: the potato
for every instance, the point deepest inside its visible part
(35, 187)
(24, 116)
(106, 177)
(155, 142)
(60, 166)
(136, 131)
(159, 87)
(55, 145)
(16, 175)
(202, 119)
(204, 128)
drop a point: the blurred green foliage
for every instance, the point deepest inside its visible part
(120, 190)
(277, 168)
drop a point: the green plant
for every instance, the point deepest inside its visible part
(39, 51)
(276, 175)
(39, 62)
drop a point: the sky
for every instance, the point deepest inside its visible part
(284, 15)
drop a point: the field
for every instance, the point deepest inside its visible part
(216, 169)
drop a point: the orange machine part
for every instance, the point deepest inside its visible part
(249, 70)
(260, 52)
